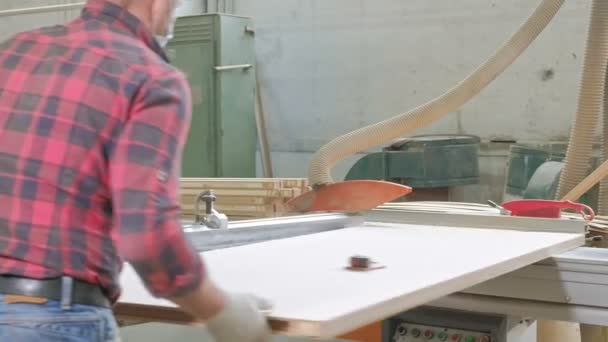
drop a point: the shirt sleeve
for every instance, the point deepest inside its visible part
(144, 176)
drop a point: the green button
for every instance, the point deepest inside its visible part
(442, 336)
(469, 339)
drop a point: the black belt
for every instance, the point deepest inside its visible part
(83, 293)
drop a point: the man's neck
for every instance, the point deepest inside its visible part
(139, 8)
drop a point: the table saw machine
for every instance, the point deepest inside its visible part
(568, 287)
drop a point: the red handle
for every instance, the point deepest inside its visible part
(545, 208)
(585, 211)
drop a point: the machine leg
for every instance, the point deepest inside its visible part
(593, 333)
(553, 331)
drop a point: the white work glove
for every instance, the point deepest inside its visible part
(241, 320)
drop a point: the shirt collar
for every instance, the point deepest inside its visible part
(123, 20)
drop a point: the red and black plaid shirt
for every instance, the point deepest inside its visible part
(92, 124)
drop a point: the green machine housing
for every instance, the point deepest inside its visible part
(429, 164)
(533, 172)
(216, 53)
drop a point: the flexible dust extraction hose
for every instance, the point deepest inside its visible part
(385, 131)
(590, 101)
(603, 197)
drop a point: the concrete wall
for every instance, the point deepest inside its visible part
(328, 67)
(332, 66)
(10, 25)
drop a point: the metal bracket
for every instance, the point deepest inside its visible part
(253, 231)
(212, 218)
(476, 220)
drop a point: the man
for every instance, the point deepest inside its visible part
(92, 124)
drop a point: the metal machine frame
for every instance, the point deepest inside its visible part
(499, 328)
(571, 286)
(567, 287)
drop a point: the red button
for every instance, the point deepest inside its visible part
(429, 334)
(456, 338)
(486, 339)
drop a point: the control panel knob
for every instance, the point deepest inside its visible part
(416, 332)
(402, 330)
(442, 336)
(428, 334)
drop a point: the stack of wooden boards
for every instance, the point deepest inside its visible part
(242, 198)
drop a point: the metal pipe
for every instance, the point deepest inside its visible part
(522, 307)
(41, 9)
(590, 101)
(233, 67)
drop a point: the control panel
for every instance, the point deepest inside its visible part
(408, 332)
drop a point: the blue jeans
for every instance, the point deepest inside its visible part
(49, 322)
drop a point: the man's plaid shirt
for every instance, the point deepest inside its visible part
(92, 124)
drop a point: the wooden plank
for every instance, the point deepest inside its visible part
(315, 296)
(243, 197)
(225, 184)
(245, 200)
(250, 217)
(287, 193)
(262, 179)
(239, 216)
(593, 333)
(273, 207)
(258, 212)
(230, 182)
(587, 183)
(554, 331)
(265, 208)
